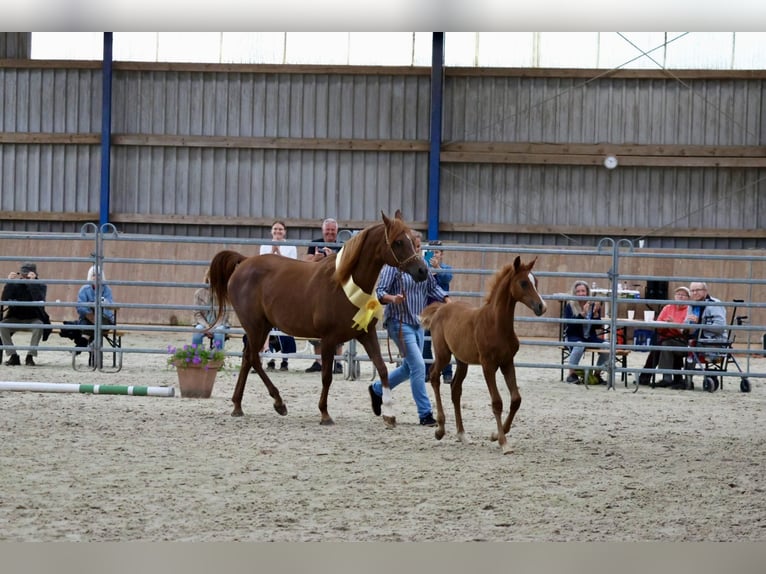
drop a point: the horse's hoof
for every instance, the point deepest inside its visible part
(507, 449)
(390, 422)
(237, 412)
(327, 422)
(281, 409)
(493, 437)
(439, 434)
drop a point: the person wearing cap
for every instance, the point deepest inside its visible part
(673, 336)
(29, 289)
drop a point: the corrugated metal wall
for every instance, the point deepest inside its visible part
(290, 184)
(218, 179)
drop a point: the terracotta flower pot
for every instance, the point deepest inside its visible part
(196, 381)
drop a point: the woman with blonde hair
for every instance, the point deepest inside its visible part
(581, 332)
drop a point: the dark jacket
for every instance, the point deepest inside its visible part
(28, 290)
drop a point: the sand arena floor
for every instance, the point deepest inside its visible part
(588, 464)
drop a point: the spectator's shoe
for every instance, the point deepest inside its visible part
(447, 379)
(376, 401)
(573, 379)
(271, 365)
(283, 366)
(667, 381)
(29, 361)
(13, 360)
(337, 369)
(315, 368)
(428, 421)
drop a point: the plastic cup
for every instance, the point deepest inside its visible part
(631, 314)
(648, 316)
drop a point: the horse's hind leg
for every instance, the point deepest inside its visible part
(251, 359)
(457, 392)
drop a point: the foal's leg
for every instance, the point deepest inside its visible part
(497, 406)
(509, 372)
(251, 358)
(457, 392)
(434, 377)
(328, 363)
(442, 356)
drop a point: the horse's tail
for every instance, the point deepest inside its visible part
(221, 267)
(427, 315)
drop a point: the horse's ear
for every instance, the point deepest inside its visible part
(386, 220)
(398, 214)
(532, 263)
(517, 263)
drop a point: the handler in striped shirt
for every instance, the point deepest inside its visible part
(404, 300)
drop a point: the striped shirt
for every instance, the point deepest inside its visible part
(394, 282)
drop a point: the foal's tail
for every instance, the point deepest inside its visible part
(221, 267)
(427, 315)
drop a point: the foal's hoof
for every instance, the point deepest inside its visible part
(390, 422)
(281, 409)
(237, 413)
(439, 434)
(328, 422)
(493, 437)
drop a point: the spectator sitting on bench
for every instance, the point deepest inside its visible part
(580, 332)
(30, 290)
(86, 297)
(670, 337)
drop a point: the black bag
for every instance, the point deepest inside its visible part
(46, 321)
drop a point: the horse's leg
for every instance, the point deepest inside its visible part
(497, 405)
(369, 340)
(435, 378)
(457, 391)
(251, 359)
(509, 372)
(328, 363)
(441, 355)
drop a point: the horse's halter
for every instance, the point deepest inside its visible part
(400, 264)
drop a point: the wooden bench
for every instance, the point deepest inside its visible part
(620, 358)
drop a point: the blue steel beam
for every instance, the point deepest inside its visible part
(106, 130)
(434, 165)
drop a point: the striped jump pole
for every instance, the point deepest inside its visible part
(136, 391)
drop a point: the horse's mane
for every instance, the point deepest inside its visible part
(354, 248)
(501, 285)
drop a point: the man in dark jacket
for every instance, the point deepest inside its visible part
(30, 289)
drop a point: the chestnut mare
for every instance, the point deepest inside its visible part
(482, 336)
(308, 299)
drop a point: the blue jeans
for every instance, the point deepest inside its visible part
(219, 336)
(577, 352)
(413, 366)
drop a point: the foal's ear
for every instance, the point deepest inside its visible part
(398, 214)
(386, 220)
(517, 263)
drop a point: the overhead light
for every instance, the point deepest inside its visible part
(610, 162)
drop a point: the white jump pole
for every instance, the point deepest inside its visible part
(137, 391)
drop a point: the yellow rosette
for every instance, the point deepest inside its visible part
(368, 305)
